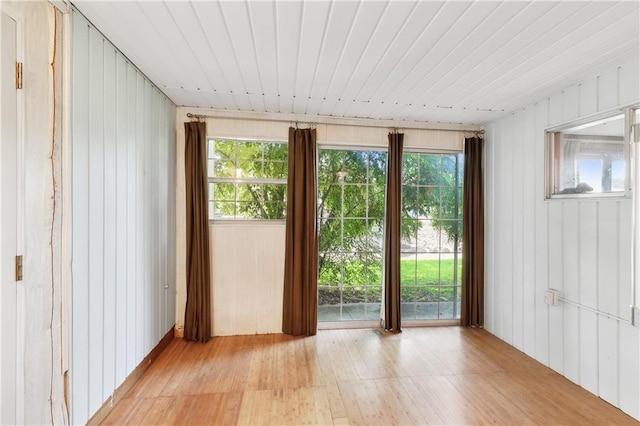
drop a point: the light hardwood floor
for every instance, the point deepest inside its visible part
(433, 375)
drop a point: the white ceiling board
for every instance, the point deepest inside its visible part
(434, 31)
(240, 30)
(456, 37)
(340, 20)
(312, 33)
(391, 60)
(214, 27)
(360, 34)
(288, 24)
(567, 57)
(209, 74)
(378, 47)
(264, 36)
(477, 48)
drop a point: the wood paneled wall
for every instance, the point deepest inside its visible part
(581, 247)
(123, 218)
(247, 277)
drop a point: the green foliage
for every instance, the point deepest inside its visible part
(351, 204)
(236, 164)
(421, 281)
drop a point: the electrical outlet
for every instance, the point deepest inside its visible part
(552, 297)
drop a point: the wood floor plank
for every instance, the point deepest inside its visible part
(439, 375)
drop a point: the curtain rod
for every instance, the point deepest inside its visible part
(313, 123)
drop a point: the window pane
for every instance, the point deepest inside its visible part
(618, 175)
(224, 169)
(223, 191)
(224, 150)
(329, 235)
(590, 158)
(258, 171)
(354, 235)
(375, 195)
(350, 211)
(249, 150)
(355, 201)
(429, 170)
(448, 176)
(274, 170)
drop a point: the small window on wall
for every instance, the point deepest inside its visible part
(247, 179)
(590, 159)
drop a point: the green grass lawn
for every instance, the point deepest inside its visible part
(429, 272)
(420, 280)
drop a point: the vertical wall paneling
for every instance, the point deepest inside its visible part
(122, 182)
(96, 217)
(530, 301)
(541, 113)
(588, 97)
(629, 369)
(110, 200)
(625, 240)
(121, 207)
(490, 215)
(252, 257)
(588, 295)
(608, 274)
(608, 373)
(132, 199)
(556, 281)
(506, 222)
(581, 247)
(556, 108)
(517, 231)
(608, 90)
(570, 103)
(589, 356)
(628, 84)
(80, 206)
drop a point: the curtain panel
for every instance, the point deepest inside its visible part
(472, 291)
(393, 221)
(197, 318)
(300, 301)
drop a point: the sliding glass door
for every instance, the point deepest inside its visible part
(350, 224)
(431, 259)
(351, 189)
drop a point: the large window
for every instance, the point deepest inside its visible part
(431, 258)
(589, 159)
(247, 179)
(351, 187)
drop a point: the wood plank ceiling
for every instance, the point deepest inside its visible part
(460, 62)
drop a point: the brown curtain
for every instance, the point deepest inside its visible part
(300, 304)
(197, 317)
(393, 222)
(472, 293)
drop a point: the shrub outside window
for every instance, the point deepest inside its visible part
(589, 159)
(247, 179)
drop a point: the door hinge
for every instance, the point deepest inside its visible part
(19, 268)
(18, 75)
